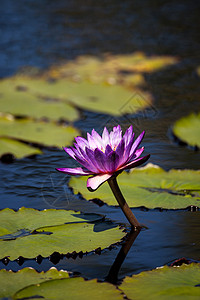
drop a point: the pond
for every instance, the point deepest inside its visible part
(36, 35)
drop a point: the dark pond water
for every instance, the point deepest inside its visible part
(40, 33)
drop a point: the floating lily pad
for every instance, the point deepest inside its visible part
(113, 69)
(16, 148)
(161, 283)
(188, 130)
(11, 282)
(102, 85)
(16, 99)
(139, 62)
(150, 186)
(96, 70)
(72, 288)
(29, 233)
(164, 283)
(47, 134)
(97, 97)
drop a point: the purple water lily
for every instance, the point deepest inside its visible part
(104, 156)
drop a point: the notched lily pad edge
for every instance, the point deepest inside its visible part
(101, 203)
(39, 272)
(172, 265)
(55, 257)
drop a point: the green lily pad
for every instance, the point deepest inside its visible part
(16, 99)
(11, 282)
(95, 70)
(29, 233)
(139, 62)
(72, 288)
(96, 97)
(17, 148)
(164, 283)
(161, 283)
(113, 69)
(111, 85)
(149, 186)
(47, 134)
(187, 130)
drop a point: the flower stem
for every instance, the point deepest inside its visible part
(122, 203)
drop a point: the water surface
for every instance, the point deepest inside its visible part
(41, 33)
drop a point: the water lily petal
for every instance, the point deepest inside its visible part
(108, 150)
(94, 182)
(75, 171)
(135, 163)
(98, 139)
(92, 167)
(128, 149)
(115, 136)
(128, 135)
(136, 144)
(138, 152)
(86, 164)
(106, 137)
(96, 136)
(82, 143)
(120, 149)
(75, 152)
(117, 133)
(90, 154)
(92, 142)
(100, 159)
(112, 162)
(70, 151)
(78, 150)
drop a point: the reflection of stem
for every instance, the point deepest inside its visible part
(122, 202)
(114, 270)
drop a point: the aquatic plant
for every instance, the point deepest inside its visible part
(105, 157)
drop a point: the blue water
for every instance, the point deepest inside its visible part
(41, 33)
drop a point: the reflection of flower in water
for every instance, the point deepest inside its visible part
(105, 156)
